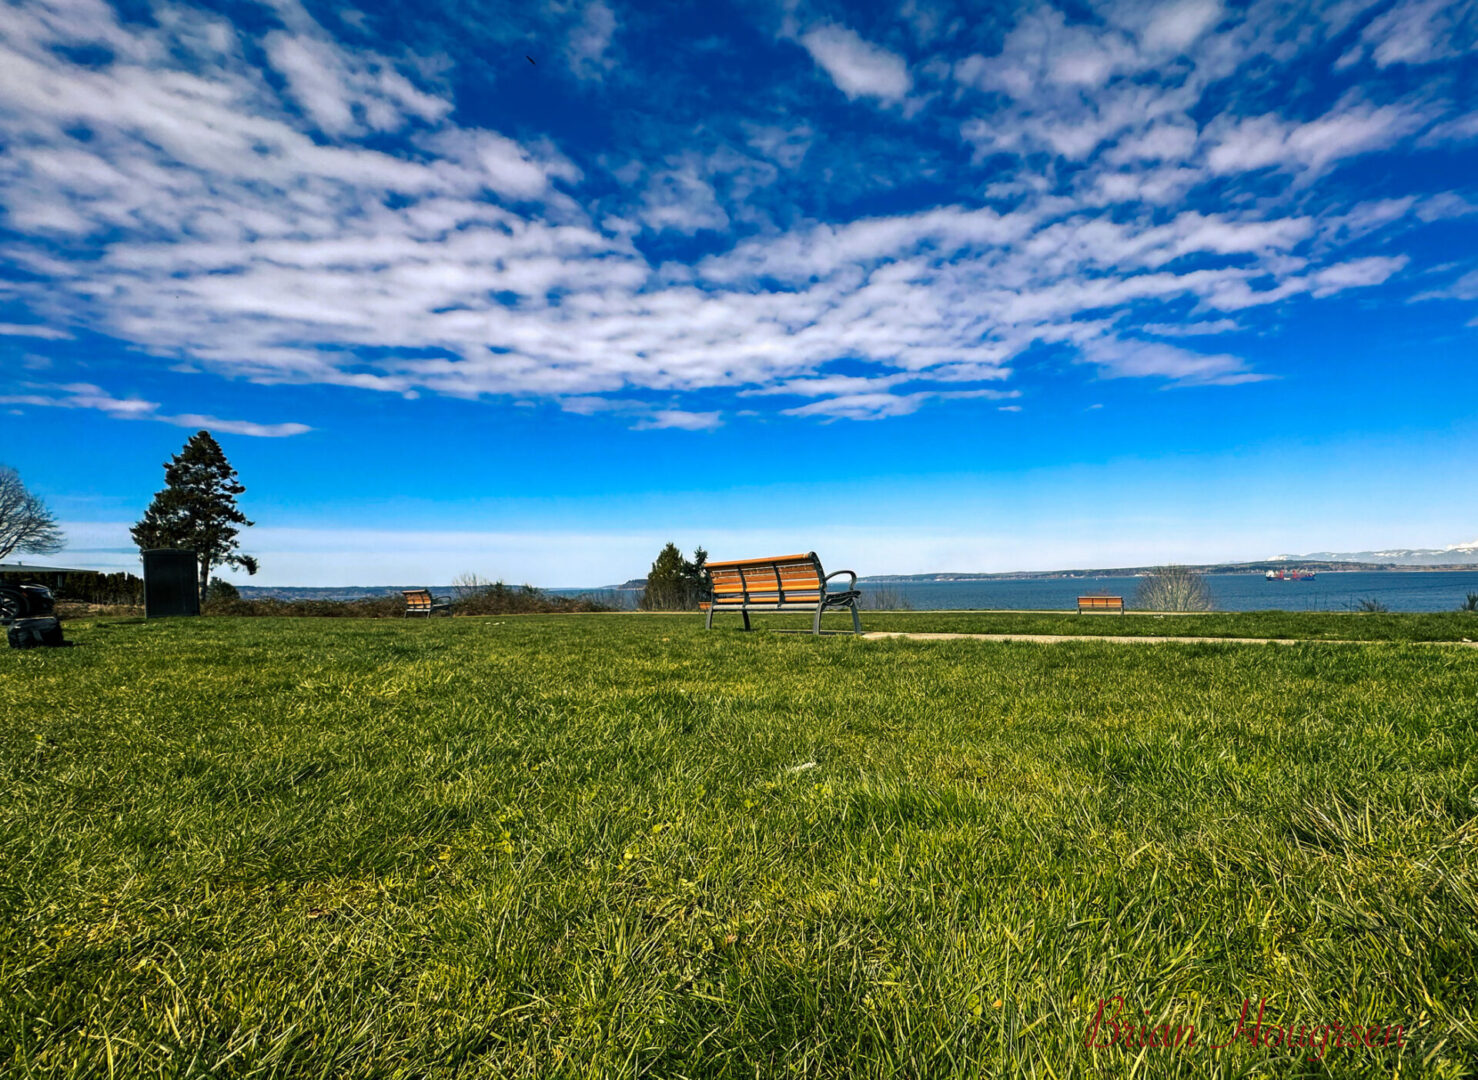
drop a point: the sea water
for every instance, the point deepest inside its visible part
(1426, 590)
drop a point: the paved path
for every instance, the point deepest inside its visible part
(1146, 639)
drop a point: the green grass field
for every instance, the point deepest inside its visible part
(617, 846)
(1299, 625)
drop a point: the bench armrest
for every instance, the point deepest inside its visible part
(839, 573)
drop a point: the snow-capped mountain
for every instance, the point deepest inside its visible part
(1457, 554)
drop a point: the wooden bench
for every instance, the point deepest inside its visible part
(421, 602)
(778, 583)
(1100, 603)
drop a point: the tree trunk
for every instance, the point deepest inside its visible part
(204, 579)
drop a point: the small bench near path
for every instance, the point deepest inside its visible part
(421, 602)
(779, 583)
(1100, 603)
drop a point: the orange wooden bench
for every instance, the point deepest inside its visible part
(1100, 603)
(779, 583)
(421, 602)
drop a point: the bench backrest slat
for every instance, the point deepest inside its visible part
(774, 578)
(770, 560)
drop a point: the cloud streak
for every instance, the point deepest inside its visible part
(87, 396)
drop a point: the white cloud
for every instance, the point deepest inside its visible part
(1464, 288)
(1350, 129)
(310, 68)
(858, 68)
(1139, 359)
(1357, 273)
(1189, 329)
(1174, 26)
(880, 404)
(680, 199)
(1044, 49)
(682, 420)
(1168, 140)
(784, 145)
(33, 330)
(87, 396)
(644, 415)
(1460, 129)
(591, 40)
(1417, 32)
(831, 385)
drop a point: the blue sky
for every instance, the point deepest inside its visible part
(922, 286)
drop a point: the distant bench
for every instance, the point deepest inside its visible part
(421, 602)
(1100, 603)
(778, 583)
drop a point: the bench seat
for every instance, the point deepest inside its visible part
(1100, 603)
(779, 583)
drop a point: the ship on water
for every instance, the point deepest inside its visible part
(1289, 575)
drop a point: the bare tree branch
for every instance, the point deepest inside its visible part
(25, 522)
(1173, 588)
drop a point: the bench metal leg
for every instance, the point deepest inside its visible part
(709, 624)
(816, 623)
(856, 620)
(746, 619)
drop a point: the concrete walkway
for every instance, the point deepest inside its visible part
(1146, 639)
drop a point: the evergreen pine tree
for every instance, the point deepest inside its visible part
(696, 573)
(196, 511)
(675, 583)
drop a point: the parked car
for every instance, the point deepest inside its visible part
(24, 602)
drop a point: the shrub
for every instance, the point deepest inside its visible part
(883, 598)
(1173, 588)
(110, 589)
(1370, 606)
(475, 595)
(379, 607)
(1470, 604)
(220, 592)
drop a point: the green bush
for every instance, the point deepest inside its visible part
(220, 592)
(477, 597)
(120, 588)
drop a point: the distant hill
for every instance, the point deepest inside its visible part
(1134, 571)
(1457, 555)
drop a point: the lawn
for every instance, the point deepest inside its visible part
(1298, 625)
(617, 845)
